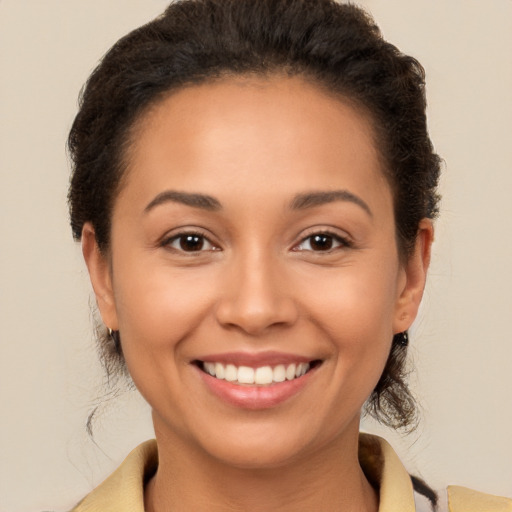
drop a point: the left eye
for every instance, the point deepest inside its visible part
(190, 242)
(321, 242)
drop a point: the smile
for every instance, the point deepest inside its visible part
(260, 376)
(256, 381)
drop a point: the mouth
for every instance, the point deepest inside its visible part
(265, 375)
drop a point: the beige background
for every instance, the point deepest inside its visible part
(462, 345)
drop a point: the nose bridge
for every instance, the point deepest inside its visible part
(256, 295)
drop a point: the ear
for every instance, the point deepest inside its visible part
(415, 271)
(100, 275)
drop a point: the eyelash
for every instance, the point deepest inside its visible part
(180, 237)
(343, 242)
(334, 238)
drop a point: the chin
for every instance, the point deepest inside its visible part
(257, 456)
(273, 444)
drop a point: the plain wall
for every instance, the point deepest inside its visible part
(461, 345)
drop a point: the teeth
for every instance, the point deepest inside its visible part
(219, 371)
(210, 368)
(301, 369)
(245, 375)
(279, 373)
(231, 373)
(263, 375)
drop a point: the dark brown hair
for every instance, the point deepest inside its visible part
(337, 46)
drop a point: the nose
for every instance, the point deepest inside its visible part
(257, 296)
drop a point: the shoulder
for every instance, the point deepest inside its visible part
(462, 499)
(124, 489)
(384, 470)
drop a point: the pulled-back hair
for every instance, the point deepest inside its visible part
(336, 46)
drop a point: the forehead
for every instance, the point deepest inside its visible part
(250, 133)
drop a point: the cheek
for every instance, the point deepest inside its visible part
(353, 301)
(355, 309)
(159, 306)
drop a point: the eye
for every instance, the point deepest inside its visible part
(321, 242)
(189, 242)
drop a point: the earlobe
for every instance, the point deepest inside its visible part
(415, 277)
(100, 276)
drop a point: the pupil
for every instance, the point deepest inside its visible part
(321, 242)
(191, 242)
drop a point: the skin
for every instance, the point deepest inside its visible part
(257, 284)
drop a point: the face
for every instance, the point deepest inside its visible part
(253, 272)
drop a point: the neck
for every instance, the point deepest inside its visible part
(330, 480)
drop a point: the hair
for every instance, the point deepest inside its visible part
(336, 46)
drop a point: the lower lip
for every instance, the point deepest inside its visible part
(255, 397)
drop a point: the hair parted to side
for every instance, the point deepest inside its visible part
(337, 46)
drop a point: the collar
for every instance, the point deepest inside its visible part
(386, 473)
(124, 489)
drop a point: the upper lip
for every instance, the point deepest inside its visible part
(255, 359)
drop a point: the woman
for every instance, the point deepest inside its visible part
(254, 189)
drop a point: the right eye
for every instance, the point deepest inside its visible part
(189, 242)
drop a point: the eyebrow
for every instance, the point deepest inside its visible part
(202, 201)
(299, 202)
(312, 199)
